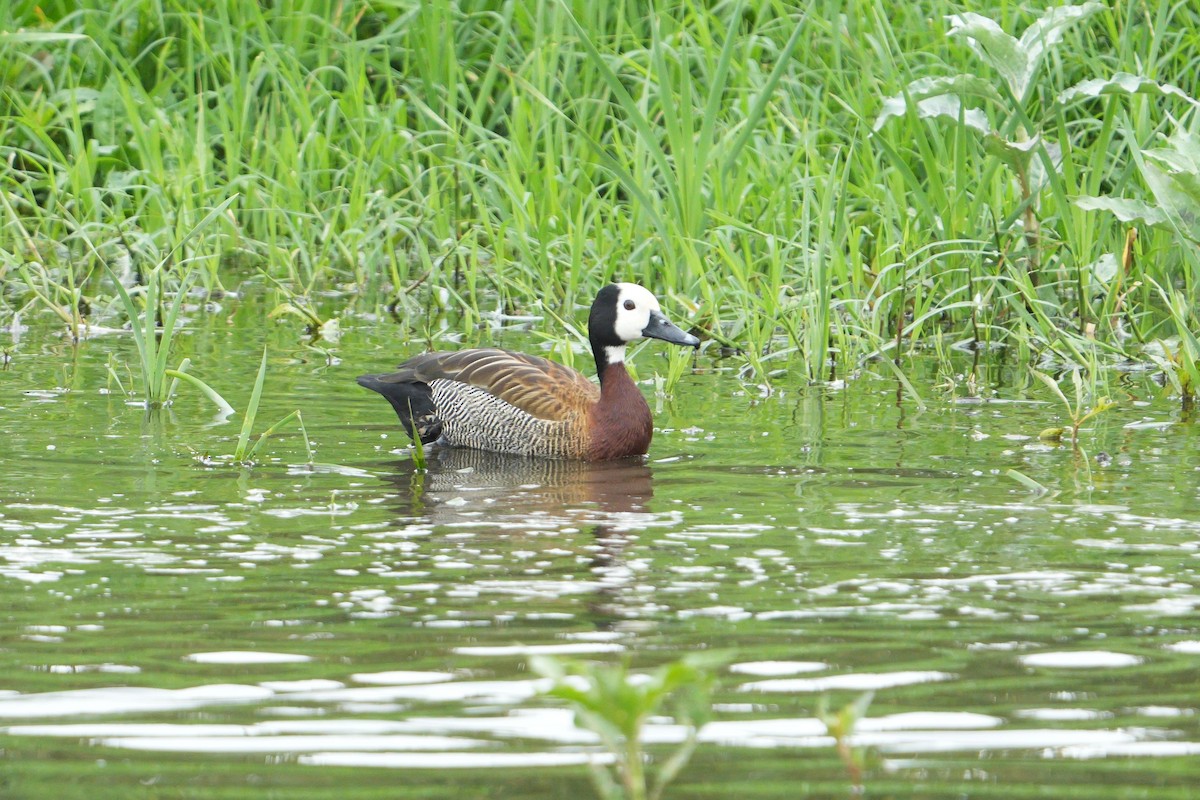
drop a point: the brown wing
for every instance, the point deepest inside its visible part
(543, 388)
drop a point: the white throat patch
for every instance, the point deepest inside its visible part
(615, 355)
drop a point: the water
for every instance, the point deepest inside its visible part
(175, 626)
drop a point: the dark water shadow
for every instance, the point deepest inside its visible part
(459, 483)
(497, 494)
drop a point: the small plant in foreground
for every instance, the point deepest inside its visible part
(614, 704)
(1077, 411)
(840, 725)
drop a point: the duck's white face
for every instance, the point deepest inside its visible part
(634, 305)
(634, 315)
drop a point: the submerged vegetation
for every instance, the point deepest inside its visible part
(839, 181)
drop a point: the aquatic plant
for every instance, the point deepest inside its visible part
(678, 363)
(1171, 171)
(614, 703)
(1078, 411)
(1179, 358)
(1014, 140)
(154, 342)
(840, 725)
(155, 324)
(244, 451)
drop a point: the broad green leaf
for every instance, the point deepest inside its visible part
(1178, 195)
(1047, 31)
(1017, 61)
(1022, 157)
(935, 97)
(1122, 209)
(1001, 51)
(1123, 83)
(1181, 154)
(1104, 268)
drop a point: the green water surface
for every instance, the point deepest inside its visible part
(832, 538)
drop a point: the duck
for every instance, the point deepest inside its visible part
(509, 402)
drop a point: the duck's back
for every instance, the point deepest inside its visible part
(493, 399)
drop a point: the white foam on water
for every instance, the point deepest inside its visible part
(772, 668)
(1081, 659)
(246, 657)
(573, 648)
(453, 760)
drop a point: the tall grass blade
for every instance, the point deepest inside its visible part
(271, 430)
(209, 392)
(243, 451)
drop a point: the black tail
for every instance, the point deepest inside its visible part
(413, 402)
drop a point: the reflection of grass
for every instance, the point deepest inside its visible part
(614, 704)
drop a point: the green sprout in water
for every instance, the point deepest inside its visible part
(245, 451)
(678, 363)
(615, 703)
(154, 342)
(1180, 363)
(840, 725)
(1077, 411)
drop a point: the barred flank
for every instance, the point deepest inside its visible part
(473, 417)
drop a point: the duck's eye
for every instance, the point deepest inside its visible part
(630, 305)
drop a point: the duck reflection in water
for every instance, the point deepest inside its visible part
(465, 489)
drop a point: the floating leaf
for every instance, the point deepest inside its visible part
(1052, 434)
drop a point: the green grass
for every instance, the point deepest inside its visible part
(482, 154)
